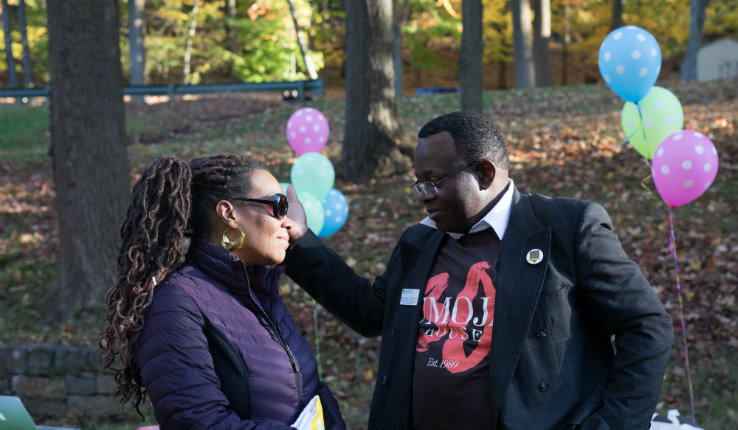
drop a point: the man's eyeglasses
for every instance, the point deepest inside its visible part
(430, 188)
(279, 204)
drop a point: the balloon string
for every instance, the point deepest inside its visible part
(317, 339)
(627, 138)
(644, 181)
(645, 185)
(672, 248)
(643, 129)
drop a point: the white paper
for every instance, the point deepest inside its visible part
(311, 418)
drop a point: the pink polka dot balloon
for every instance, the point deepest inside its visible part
(684, 166)
(307, 130)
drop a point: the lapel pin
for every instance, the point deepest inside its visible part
(534, 256)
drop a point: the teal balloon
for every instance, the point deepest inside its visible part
(313, 173)
(284, 186)
(313, 211)
(335, 212)
(660, 115)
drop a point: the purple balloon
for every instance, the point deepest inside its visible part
(307, 130)
(684, 166)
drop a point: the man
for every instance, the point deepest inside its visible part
(499, 310)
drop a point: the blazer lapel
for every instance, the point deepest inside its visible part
(408, 317)
(518, 287)
(416, 280)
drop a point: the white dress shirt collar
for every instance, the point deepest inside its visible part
(497, 218)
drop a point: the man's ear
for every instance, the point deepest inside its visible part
(226, 212)
(486, 171)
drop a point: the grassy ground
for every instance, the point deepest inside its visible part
(23, 132)
(562, 141)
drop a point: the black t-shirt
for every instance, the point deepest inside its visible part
(451, 376)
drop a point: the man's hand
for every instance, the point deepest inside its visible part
(297, 214)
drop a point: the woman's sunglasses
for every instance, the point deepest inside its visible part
(279, 204)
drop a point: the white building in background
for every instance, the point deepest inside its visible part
(718, 60)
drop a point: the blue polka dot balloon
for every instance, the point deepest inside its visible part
(335, 212)
(630, 62)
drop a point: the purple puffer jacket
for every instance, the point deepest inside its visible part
(213, 287)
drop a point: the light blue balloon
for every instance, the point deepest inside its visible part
(630, 62)
(335, 212)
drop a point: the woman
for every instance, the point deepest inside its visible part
(206, 335)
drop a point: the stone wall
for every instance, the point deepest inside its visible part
(58, 383)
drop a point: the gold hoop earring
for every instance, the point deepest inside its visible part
(232, 245)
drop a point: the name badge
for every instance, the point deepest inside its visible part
(409, 297)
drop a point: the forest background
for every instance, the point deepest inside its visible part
(205, 41)
(563, 141)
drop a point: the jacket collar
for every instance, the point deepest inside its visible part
(229, 270)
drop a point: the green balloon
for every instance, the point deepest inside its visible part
(661, 115)
(313, 211)
(313, 173)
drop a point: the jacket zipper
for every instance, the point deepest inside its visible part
(290, 355)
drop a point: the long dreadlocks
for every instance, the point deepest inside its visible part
(171, 199)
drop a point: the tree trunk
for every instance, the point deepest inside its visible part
(617, 14)
(88, 149)
(369, 142)
(309, 66)
(696, 20)
(567, 40)
(137, 51)
(23, 28)
(186, 70)
(398, 22)
(397, 57)
(231, 34)
(523, 41)
(542, 35)
(472, 54)
(10, 61)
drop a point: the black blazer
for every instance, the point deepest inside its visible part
(552, 360)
